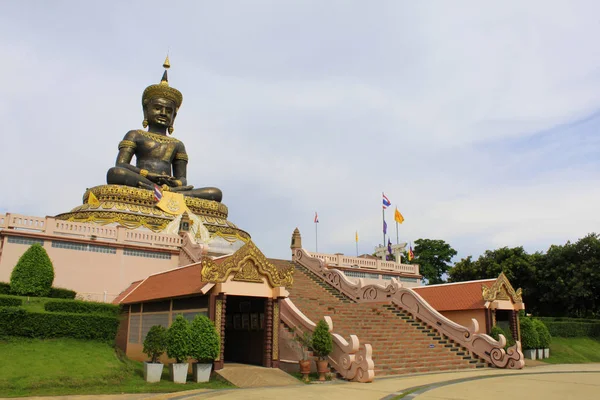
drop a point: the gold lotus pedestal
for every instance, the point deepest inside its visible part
(135, 208)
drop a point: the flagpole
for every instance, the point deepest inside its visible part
(397, 241)
(382, 225)
(316, 237)
(356, 243)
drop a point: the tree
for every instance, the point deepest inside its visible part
(568, 279)
(155, 343)
(179, 339)
(33, 275)
(322, 343)
(514, 262)
(206, 344)
(433, 257)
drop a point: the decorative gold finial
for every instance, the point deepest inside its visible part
(167, 64)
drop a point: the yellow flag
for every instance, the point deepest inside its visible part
(398, 217)
(356, 236)
(93, 200)
(172, 203)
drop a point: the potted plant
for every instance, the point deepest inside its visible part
(178, 347)
(303, 339)
(529, 338)
(322, 345)
(155, 345)
(544, 339)
(205, 347)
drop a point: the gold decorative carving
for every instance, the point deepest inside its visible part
(157, 138)
(127, 144)
(144, 197)
(276, 330)
(129, 221)
(248, 273)
(502, 290)
(218, 324)
(215, 273)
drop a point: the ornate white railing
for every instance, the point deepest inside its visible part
(480, 344)
(114, 234)
(341, 260)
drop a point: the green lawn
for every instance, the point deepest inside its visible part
(34, 304)
(34, 367)
(574, 350)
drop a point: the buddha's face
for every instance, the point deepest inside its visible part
(160, 111)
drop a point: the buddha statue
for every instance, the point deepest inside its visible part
(161, 160)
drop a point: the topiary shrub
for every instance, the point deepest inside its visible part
(155, 343)
(179, 339)
(543, 334)
(33, 275)
(322, 343)
(529, 336)
(206, 343)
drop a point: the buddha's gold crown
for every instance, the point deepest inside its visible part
(163, 89)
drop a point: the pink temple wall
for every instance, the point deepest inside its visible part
(463, 317)
(90, 273)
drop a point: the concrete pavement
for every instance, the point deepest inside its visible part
(547, 382)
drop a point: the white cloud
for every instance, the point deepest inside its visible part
(315, 106)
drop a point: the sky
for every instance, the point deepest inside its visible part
(478, 120)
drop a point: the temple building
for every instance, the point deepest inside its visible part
(158, 246)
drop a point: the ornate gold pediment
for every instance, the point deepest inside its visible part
(249, 265)
(248, 273)
(502, 290)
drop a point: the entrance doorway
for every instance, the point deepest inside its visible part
(245, 330)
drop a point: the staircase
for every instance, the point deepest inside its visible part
(401, 344)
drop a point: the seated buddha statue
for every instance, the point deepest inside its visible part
(160, 160)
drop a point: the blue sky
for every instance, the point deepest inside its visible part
(478, 120)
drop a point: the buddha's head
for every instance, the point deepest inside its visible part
(161, 102)
(160, 111)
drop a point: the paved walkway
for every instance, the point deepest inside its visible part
(548, 382)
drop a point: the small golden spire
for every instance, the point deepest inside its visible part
(167, 64)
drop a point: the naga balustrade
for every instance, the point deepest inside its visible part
(349, 359)
(480, 344)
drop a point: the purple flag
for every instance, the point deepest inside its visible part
(389, 247)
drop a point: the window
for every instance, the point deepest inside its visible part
(59, 244)
(147, 254)
(24, 240)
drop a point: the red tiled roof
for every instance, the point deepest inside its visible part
(177, 282)
(125, 292)
(455, 296)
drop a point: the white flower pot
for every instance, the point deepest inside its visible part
(540, 354)
(178, 372)
(201, 372)
(152, 371)
(546, 353)
(530, 353)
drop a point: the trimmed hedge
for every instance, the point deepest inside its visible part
(10, 302)
(81, 307)
(55, 293)
(4, 288)
(16, 321)
(573, 329)
(60, 293)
